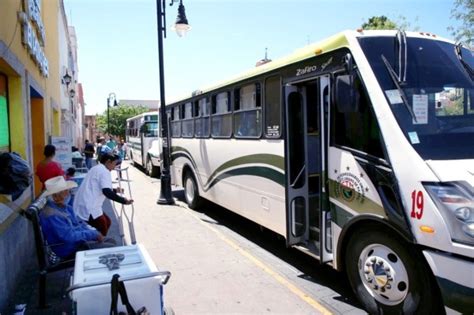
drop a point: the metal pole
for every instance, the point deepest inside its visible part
(165, 189)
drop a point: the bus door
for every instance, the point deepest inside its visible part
(306, 158)
(297, 170)
(324, 209)
(143, 130)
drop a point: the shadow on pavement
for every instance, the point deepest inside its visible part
(310, 268)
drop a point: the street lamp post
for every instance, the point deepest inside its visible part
(111, 96)
(181, 27)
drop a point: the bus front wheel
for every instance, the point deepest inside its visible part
(191, 192)
(388, 276)
(151, 170)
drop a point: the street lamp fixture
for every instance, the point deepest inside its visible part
(181, 27)
(72, 93)
(67, 79)
(111, 97)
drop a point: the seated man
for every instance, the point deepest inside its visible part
(61, 226)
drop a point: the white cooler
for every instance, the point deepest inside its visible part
(90, 290)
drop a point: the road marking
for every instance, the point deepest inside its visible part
(302, 295)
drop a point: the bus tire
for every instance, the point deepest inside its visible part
(390, 276)
(151, 170)
(191, 191)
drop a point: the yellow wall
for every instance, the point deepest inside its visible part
(37, 123)
(18, 129)
(31, 122)
(56, 123)
(10, 34)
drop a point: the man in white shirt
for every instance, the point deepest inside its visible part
(96, 186)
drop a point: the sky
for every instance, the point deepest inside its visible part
(118, 39)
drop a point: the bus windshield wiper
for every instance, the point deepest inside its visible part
(458, 49)
(402, 57)
(393, 76)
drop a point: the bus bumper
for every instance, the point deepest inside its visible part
(455, 277)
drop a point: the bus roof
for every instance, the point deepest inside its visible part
(334, 42)
(143, 115)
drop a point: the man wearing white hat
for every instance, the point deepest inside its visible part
(61, 226)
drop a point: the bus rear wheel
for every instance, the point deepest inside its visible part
(388, 276)
(191, 192)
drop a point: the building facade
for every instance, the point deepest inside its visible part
(34, 57)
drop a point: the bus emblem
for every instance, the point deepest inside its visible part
(350, 188)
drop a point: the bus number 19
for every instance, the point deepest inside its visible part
(417, 204)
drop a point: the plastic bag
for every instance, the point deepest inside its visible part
(15, 174)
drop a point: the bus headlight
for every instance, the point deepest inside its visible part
(456, 205)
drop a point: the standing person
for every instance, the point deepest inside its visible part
(120, 150)
(96, 186)
(89, 154)
(48, 168)
(100, 144)
(125, 150)
(111, 143)
(60, 225)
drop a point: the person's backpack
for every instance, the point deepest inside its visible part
(15, 174)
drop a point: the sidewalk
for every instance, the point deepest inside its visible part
(56, 283)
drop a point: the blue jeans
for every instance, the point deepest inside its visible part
(88, 163)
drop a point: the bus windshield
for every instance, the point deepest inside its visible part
(430, 91)
(150, 129)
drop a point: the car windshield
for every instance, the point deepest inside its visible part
(434, 104)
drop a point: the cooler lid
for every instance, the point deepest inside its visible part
(101, 264)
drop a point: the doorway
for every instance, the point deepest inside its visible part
(305, 103)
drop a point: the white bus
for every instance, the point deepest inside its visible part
(359, 150)
(143, 141)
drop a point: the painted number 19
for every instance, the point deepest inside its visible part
(417, 204)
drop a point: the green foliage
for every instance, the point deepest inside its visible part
(379, 23)
(384, 23)
(463, 12)
(404, 25)
(118, 116)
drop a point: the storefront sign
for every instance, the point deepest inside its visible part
(33, 33)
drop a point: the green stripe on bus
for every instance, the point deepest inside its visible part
(220, 173)
(259, 171)
(270, 159)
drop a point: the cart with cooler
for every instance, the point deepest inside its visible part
(126, 273)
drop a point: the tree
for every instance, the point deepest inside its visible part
(463, 12)
(384, 23)
(118, 116)
(379, 23)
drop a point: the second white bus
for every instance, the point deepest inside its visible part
(142, 140)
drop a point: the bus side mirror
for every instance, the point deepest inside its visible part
(346, 94)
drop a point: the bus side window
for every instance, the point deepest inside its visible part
(202, 125)
(358, 130)
(273, 107)
(247, 111)
(188, 121)
(221, 124)
(175, 121)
